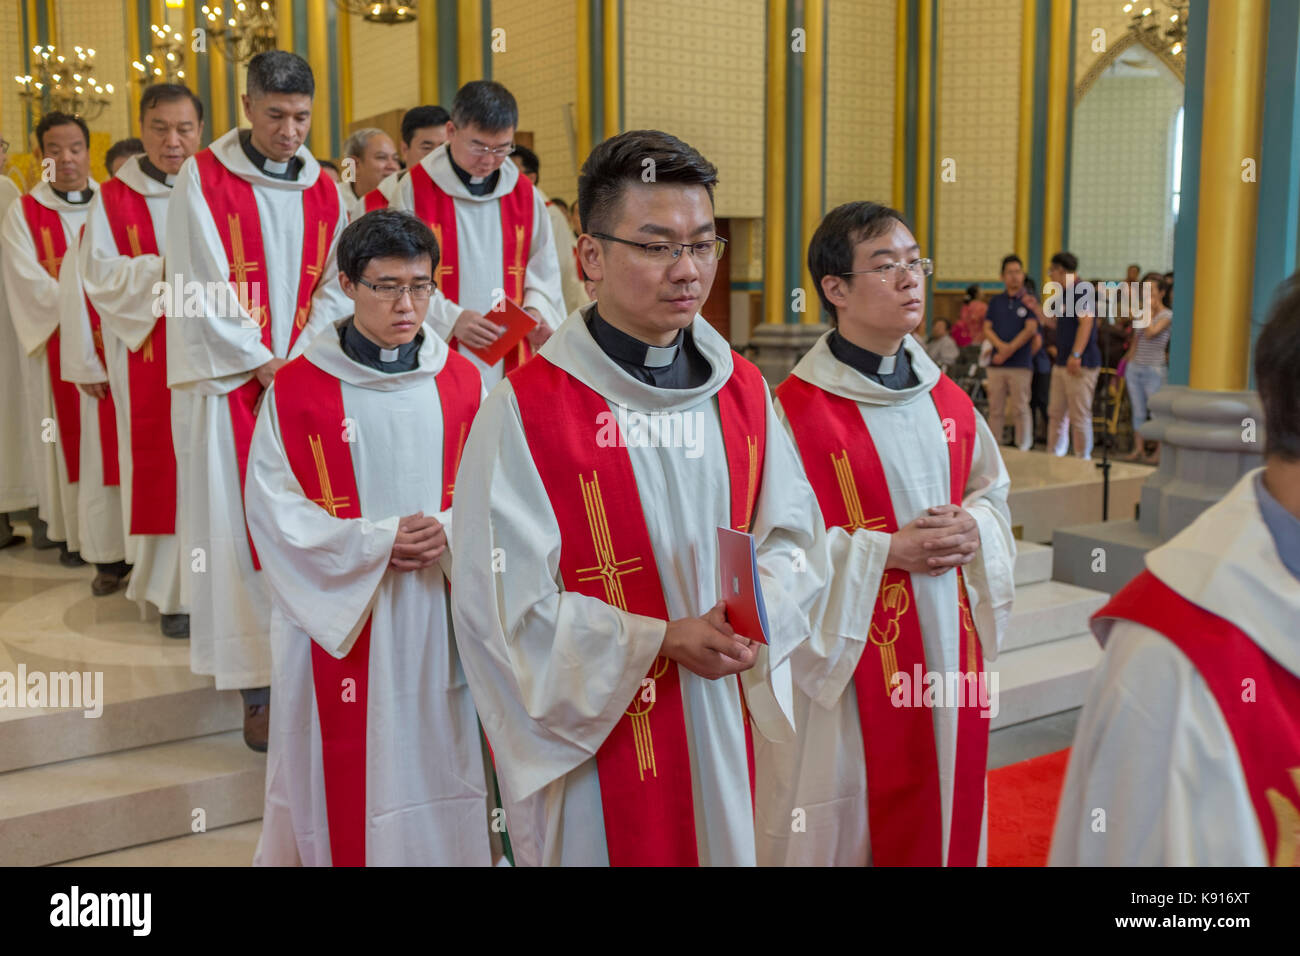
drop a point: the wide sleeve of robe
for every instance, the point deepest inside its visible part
(78, 361)
(123, 289)
(32, 293)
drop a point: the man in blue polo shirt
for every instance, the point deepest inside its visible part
(1010, 325)
(1078, 363)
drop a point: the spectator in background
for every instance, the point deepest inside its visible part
(571, 283)
(941, 346)
(969, 329)
(1010, 326)
(331, 170)
(1134, 270)
(120, 152)
(1147, 362)
(1078, 363)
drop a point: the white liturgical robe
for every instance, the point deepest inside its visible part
(99, 505)
(1152, 751)
(33, 297)
(17, 483)
(553, 671)
(823, 770)
(123, 290)
(480, 257)
(212, 349)
(428, 798)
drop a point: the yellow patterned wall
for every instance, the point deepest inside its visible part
(539, 66)
(385, 66)
(860, 101)
(102, 27)
(977, 136)
(697, 70)
(13, 123)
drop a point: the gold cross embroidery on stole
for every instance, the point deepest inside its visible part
(1288, 822)
(443, 268)
(518, 269)
(327, 499)
(51, 262)
(314, 271)
(241, 267)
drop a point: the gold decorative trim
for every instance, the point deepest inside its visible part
(1177, 64)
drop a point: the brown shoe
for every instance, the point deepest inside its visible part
(106, 583)
(257, 725)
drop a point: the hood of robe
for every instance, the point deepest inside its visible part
(820, 367)
(327, 354)
(438, 165)
(135, 177)
(231, 155)
(573, 349)
(1227, 563)
(44, 194)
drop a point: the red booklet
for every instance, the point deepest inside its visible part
(518, 324)
(738, 585)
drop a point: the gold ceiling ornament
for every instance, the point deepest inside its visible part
(389, 12)
(1160, 32)
(241, 30)
(165, 61)
(63, 84)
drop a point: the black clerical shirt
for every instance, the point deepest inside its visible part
(488, 184)
(77, 197)
(679, 365)
(868, 362)
(265, 163)
(153, 172)
(361, 350)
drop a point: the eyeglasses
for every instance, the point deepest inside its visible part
(706, 250)
(391, 293)
(894, 270)
(478, 149)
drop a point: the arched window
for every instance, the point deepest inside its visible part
(1178, 162)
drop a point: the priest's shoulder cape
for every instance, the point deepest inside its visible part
(554, 669)
(1189, 740)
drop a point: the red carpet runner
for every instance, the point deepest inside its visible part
(1022, 809)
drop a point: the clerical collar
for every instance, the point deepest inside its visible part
(618, 345)
(680, 365)
(1283, 526)
(361, 350)
(892, 371)
(480, 188)
(77, 197)
(287, 170)
(153, 172)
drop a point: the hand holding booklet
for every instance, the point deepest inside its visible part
(518, 324)
(738, 585)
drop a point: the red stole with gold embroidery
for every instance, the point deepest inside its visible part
(643, 765)
(309, 406)
(233, 206)
(437, 209)
(903, 798)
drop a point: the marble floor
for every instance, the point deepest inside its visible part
(1049, 492)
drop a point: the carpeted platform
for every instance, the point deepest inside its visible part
(1022, 809)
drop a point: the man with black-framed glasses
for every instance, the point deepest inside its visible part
(375, 756)
(491, 225)
(889, 771)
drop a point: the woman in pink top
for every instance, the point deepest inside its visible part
(970, 324)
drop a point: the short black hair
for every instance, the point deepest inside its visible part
(831, 251)
(1007, 260)
(381, 234)
(122, 149)
(526, 160)
(622, 160)
(158, 93)
(1067, 261)
(328, 164)
(973, 291)
(55, 118)
(279, 71)
(1277, 356)
(560, 202)
(422, 117)
(485, 104)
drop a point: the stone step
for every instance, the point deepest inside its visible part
(92, 805)
(225, 846)
(1033, 563)
(1049, 611)
(1044, 679)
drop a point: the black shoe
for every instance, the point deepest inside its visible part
(12, 541)
(111, 578)
(175, 625)
(40, 539)
(70, 559)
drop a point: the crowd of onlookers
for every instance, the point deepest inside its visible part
(1039, 367)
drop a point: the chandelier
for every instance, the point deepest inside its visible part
(165, 63)
(380, 11)
(1146, 26)
(62, 85)
(242, 31)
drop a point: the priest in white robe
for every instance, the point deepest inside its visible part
(369, 156)
(586, 599)
(349, 499)
(121, 267)
(252, 227)
(881, 772)
(566, 245)
(17, 484)
(1187, 752)
(424, 129)
(492, 227)
(36, 234)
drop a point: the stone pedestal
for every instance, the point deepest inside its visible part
(1208, 440)
(775, 349)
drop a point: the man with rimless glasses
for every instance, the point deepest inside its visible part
(492, 227)
(893, 717)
